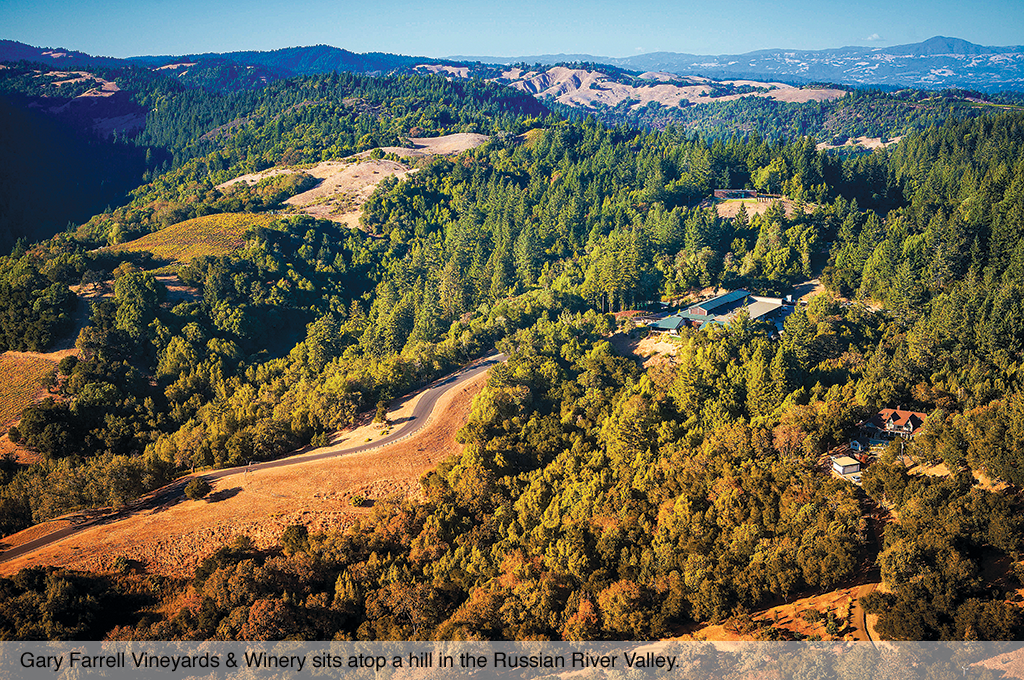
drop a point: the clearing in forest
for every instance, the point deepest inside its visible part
(22, 384)
(730, 207)
(868, 143)
(346, 184)
(208, 235)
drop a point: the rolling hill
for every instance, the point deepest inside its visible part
(934, 63)
(207, 235)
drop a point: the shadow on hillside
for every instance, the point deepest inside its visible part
(165, 498)
(223, 494)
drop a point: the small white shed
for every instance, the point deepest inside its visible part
(845, 465)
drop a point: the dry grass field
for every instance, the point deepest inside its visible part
(172, 539)
(346, 184)
(729, 208)
(792, 617)
(22, 382)
(588, 89)
(207, 235)
(871, 143)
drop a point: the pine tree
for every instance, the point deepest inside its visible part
(762, 395)
(527, 255)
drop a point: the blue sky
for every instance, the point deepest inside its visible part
(122, 28)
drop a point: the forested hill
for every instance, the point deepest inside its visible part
(299, 61)
(101, 132)
(841, 122)
(594, 499)
(91, 137)
(723, 108)
(225, 71)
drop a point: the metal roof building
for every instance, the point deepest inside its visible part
(720, 310)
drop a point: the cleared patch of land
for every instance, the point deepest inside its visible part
(652, 349)
(21, 387)
(861, 142)
(22, 383)
(345, 185)
(1009, 665)
(173, 539)
(940, 469)
(730, 207)
(446, 145)
(208, 235)
(459, 71)
(808, 289)
(345, 188)
(103, 88)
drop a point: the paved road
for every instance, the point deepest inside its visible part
(416, 422)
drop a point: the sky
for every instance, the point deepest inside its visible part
(124, 28)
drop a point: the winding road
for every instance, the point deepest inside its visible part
(424, 408)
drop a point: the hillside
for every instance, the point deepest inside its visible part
(345, 185)
(24, 376)
(172, 539)
(90, 137)
(591, 496)
(593, 89)
(213, 235)
(723, 108)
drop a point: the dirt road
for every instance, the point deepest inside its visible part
(421, 413)
(859, 617)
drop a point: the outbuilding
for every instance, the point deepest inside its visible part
(845, 465)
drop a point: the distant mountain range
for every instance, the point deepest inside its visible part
(299, 61)
(935, 63)
(283, 63)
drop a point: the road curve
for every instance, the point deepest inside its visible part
(417, 421)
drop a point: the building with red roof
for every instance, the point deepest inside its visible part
(890, 423)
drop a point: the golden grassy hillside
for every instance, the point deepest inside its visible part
(23, 378)
(207, 235)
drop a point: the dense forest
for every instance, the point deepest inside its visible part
(53, 148)
(863, 112)
(594, 498)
